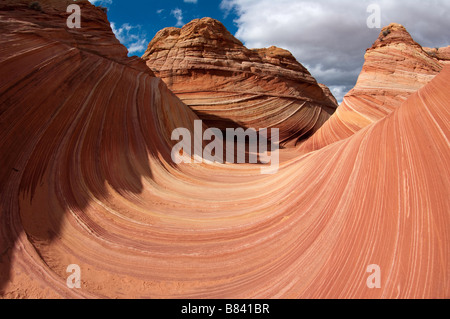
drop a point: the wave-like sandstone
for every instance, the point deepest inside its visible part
(228, 85)
(86, 178)
(395, 67)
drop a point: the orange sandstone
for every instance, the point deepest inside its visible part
(228, 85)
(395, 67)
(86, 178)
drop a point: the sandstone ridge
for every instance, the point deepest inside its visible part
(227, 84)
(87, 179)
(395, 67)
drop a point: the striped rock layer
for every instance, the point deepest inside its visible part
(395, 67)
(441, 54)
(228, 85)
(86, 179)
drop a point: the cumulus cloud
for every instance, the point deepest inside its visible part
(190, 1)
(178, 14)
(330, 37)
(130, 36)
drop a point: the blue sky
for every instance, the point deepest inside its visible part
(135, 22)
(329, 37)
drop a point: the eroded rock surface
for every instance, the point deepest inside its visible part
(87, 179)
(395, 67)
(228, 85)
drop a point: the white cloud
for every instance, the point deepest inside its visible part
(330, 37)
(159, 11)
(190, 1)
(138, 46)
(100, 2)
(178, 14)
(130, 36)
(339, 91)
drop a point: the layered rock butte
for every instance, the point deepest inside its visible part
(395, 67)
(86, 178)
(228, 85)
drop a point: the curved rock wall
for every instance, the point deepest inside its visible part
(86, 178)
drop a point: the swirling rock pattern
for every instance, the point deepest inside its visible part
(86, 178)
(228, 85)
(395, 67)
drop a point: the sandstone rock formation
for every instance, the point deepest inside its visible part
(87, 179)
(228, 85)
(395, 67)
(441, 54)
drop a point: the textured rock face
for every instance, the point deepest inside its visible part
(441, 54)
(395, 67)
(71, 107)
(86, 178)
(228, 85)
